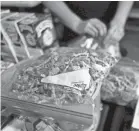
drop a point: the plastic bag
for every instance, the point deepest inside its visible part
(110, 46)
(30, 85)
(121, 84)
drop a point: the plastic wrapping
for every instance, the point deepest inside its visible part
(110, 46)
(27, 83)
(61, 61)
(122, 84)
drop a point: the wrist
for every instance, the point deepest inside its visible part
(118, 22)
(76, 25)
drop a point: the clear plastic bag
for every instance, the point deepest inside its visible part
(122, 84)
(57, 63)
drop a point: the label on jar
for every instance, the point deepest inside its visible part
(47, 37)
(43, 26)
(79, 79)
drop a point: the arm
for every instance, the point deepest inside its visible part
(123, 10)
(117, 24)
(92, 27)
(70, 19)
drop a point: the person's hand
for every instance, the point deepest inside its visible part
(115, 32)
(92, 27)
(111, 41)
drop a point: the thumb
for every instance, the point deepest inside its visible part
(106, 40)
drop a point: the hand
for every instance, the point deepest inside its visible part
(116, 32)
(92, 27)
(111, 41)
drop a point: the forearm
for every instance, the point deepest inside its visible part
(68, 18)
(123, 10)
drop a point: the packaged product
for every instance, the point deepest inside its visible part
(122, 83)
(114, 86)
(64, 76)
(22, 31)
(38, 30)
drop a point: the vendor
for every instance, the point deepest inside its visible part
(92, 17)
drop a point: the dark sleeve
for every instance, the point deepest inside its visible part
(108, 15)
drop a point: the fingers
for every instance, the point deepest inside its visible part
(95, 28)
(91, 30)
(100, 26)
(115, 33)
